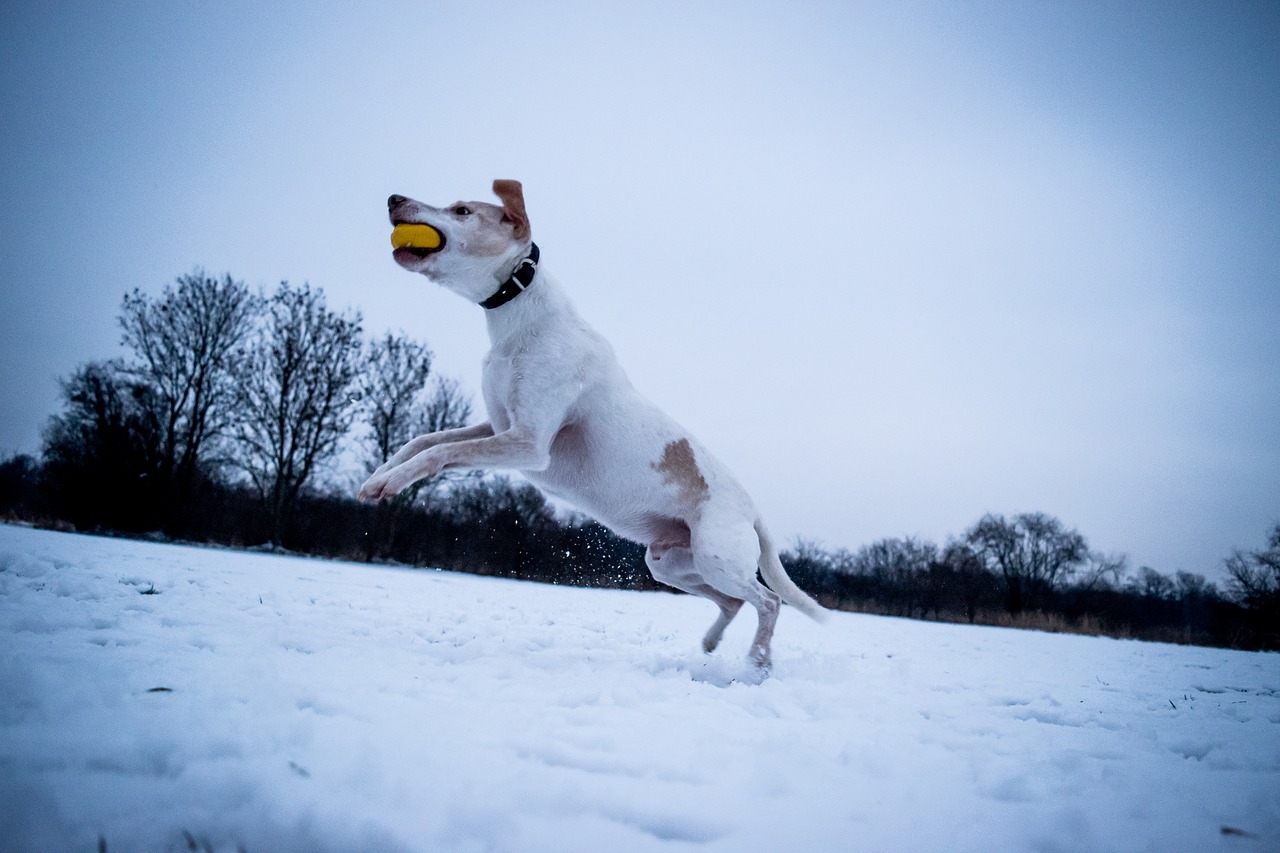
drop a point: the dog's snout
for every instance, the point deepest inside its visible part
(396, 199)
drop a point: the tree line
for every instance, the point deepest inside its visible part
(1032, 570)
(227, 418)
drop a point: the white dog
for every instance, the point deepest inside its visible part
(563, 413)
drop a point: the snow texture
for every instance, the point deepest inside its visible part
(158, 697)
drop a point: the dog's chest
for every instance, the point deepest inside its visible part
(534, 377)
(498, 383)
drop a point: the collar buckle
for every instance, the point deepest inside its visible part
(527, 263)
(521, 278)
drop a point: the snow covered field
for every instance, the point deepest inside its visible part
(156, 697)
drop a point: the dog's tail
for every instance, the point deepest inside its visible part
(776, 577)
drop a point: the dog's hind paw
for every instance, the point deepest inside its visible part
(760, 660)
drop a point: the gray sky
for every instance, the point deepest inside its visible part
(899, 264)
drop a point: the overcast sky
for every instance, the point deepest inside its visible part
(899, 264)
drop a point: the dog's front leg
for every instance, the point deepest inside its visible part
(374, 487)
(414, 446)
(511, 449)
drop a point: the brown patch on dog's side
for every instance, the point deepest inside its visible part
(680, 469)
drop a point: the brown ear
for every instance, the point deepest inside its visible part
(512, 195)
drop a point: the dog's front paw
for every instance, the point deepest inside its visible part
(375, 489)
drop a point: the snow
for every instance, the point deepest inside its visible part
(269, 703)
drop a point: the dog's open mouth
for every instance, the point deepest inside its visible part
(416, 239)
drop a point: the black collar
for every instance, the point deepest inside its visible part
(521, 278)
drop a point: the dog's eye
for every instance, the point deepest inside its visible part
(462, 210)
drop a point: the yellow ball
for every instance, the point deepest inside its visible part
(415, 237)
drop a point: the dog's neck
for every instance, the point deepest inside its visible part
(519, 280)
(541, 307)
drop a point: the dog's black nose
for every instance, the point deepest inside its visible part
(395, 199)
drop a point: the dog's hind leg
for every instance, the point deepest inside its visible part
(767, 605)
(725, 557)
(729, 608)
(674, 567)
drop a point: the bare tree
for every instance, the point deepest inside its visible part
(809, 555)
(969, 569)
(1253, 577)
(1034, 552)
(393, 377)
(19, 486)
(1193, 586)
(1101, 571)
(397, 405)
(900, 568)
(296, 396)
(102, 453)
(1151, 584)
(185, 344)
(397, 402)
(445, 407)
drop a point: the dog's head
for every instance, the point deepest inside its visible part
(475, 246)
